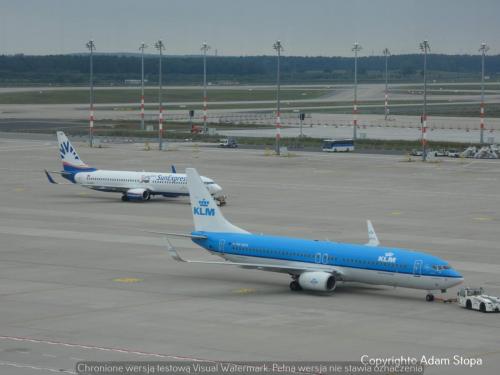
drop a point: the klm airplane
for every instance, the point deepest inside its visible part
(137, 186)
(312, 265)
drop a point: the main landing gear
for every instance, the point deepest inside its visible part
(294, 285)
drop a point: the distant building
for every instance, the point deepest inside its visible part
(134, 82)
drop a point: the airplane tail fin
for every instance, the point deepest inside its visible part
(70, 159)
(206, 214)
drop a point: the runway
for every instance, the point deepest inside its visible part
(80, 279)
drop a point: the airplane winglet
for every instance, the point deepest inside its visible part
(173, 169)
(372, 236)
(51, 180)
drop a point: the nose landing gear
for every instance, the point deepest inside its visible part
(221, 200)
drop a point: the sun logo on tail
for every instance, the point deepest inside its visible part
(66, 149)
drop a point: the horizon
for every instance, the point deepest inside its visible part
(118, 53)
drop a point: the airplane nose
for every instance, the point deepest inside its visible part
(217, 188)
(457, 281)
(455, 277)
(455, 273)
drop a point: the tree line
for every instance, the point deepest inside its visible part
(116, 68)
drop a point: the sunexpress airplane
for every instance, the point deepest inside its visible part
(138, 186)
(313, 265)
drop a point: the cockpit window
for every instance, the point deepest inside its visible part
(441, 267)
(209, 183)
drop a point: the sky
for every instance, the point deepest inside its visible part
(243, 27)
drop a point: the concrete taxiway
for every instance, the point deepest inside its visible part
(79, 279)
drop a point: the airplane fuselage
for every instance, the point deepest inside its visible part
(167, 184)
(351, 262)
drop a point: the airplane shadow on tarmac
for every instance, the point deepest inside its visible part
(116, 197)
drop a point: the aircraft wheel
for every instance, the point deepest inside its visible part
(429, 297)
(295, 286)
(124, 198)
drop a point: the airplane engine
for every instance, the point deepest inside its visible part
(138, 194)
(319, 281)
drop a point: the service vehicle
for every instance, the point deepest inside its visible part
(475, 299)
(228, 143)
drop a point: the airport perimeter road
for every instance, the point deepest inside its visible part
(80, 279)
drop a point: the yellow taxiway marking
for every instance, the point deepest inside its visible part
(396, 213)
(482, 218)
(244, 291)
(127, 280)
(83, 194)
(19, 189)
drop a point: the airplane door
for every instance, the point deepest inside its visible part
(317, 257)
(221, 245)
(417, 268)
(325, 258)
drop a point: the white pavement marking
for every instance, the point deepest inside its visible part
(103, 348)
(24, 365)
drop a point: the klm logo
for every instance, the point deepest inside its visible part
(204, 210)
(67, 149)
(387, 258)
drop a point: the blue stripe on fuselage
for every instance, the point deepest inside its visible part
(324, 252)
(70, 172)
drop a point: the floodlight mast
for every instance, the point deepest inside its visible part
(279, 48)
(386, 53)
(160, 47)
(205, 47)
(142, 48)
(425, 48)
(484, 48)
(356, 48)
(91, 46)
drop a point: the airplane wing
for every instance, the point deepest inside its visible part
(178, 234)
(372, 236)
(265, 267)
(51, 179)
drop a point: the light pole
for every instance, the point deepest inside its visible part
(91, 46)
(356, 48)
(484, 48)
(142, 47)
(386, 53)
(425, 47)
(160, 47)
(278, 47)
(205, 47)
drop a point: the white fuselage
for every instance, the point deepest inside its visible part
(156, 183)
